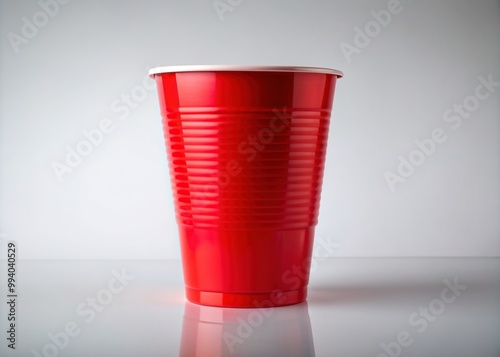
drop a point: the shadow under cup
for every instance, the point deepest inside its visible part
(246, 150)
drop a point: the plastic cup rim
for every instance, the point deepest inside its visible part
(238, 68)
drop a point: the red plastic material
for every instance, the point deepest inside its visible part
(246, 154)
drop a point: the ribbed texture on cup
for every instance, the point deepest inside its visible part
(223, 178)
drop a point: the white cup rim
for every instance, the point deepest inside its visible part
(234, 68)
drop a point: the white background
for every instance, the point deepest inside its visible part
(117, 203)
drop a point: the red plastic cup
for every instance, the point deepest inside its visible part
(246, 149)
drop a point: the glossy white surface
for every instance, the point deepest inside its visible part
(354, 306)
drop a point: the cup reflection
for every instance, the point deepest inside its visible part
(213, 331)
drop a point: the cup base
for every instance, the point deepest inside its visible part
(254, 300)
